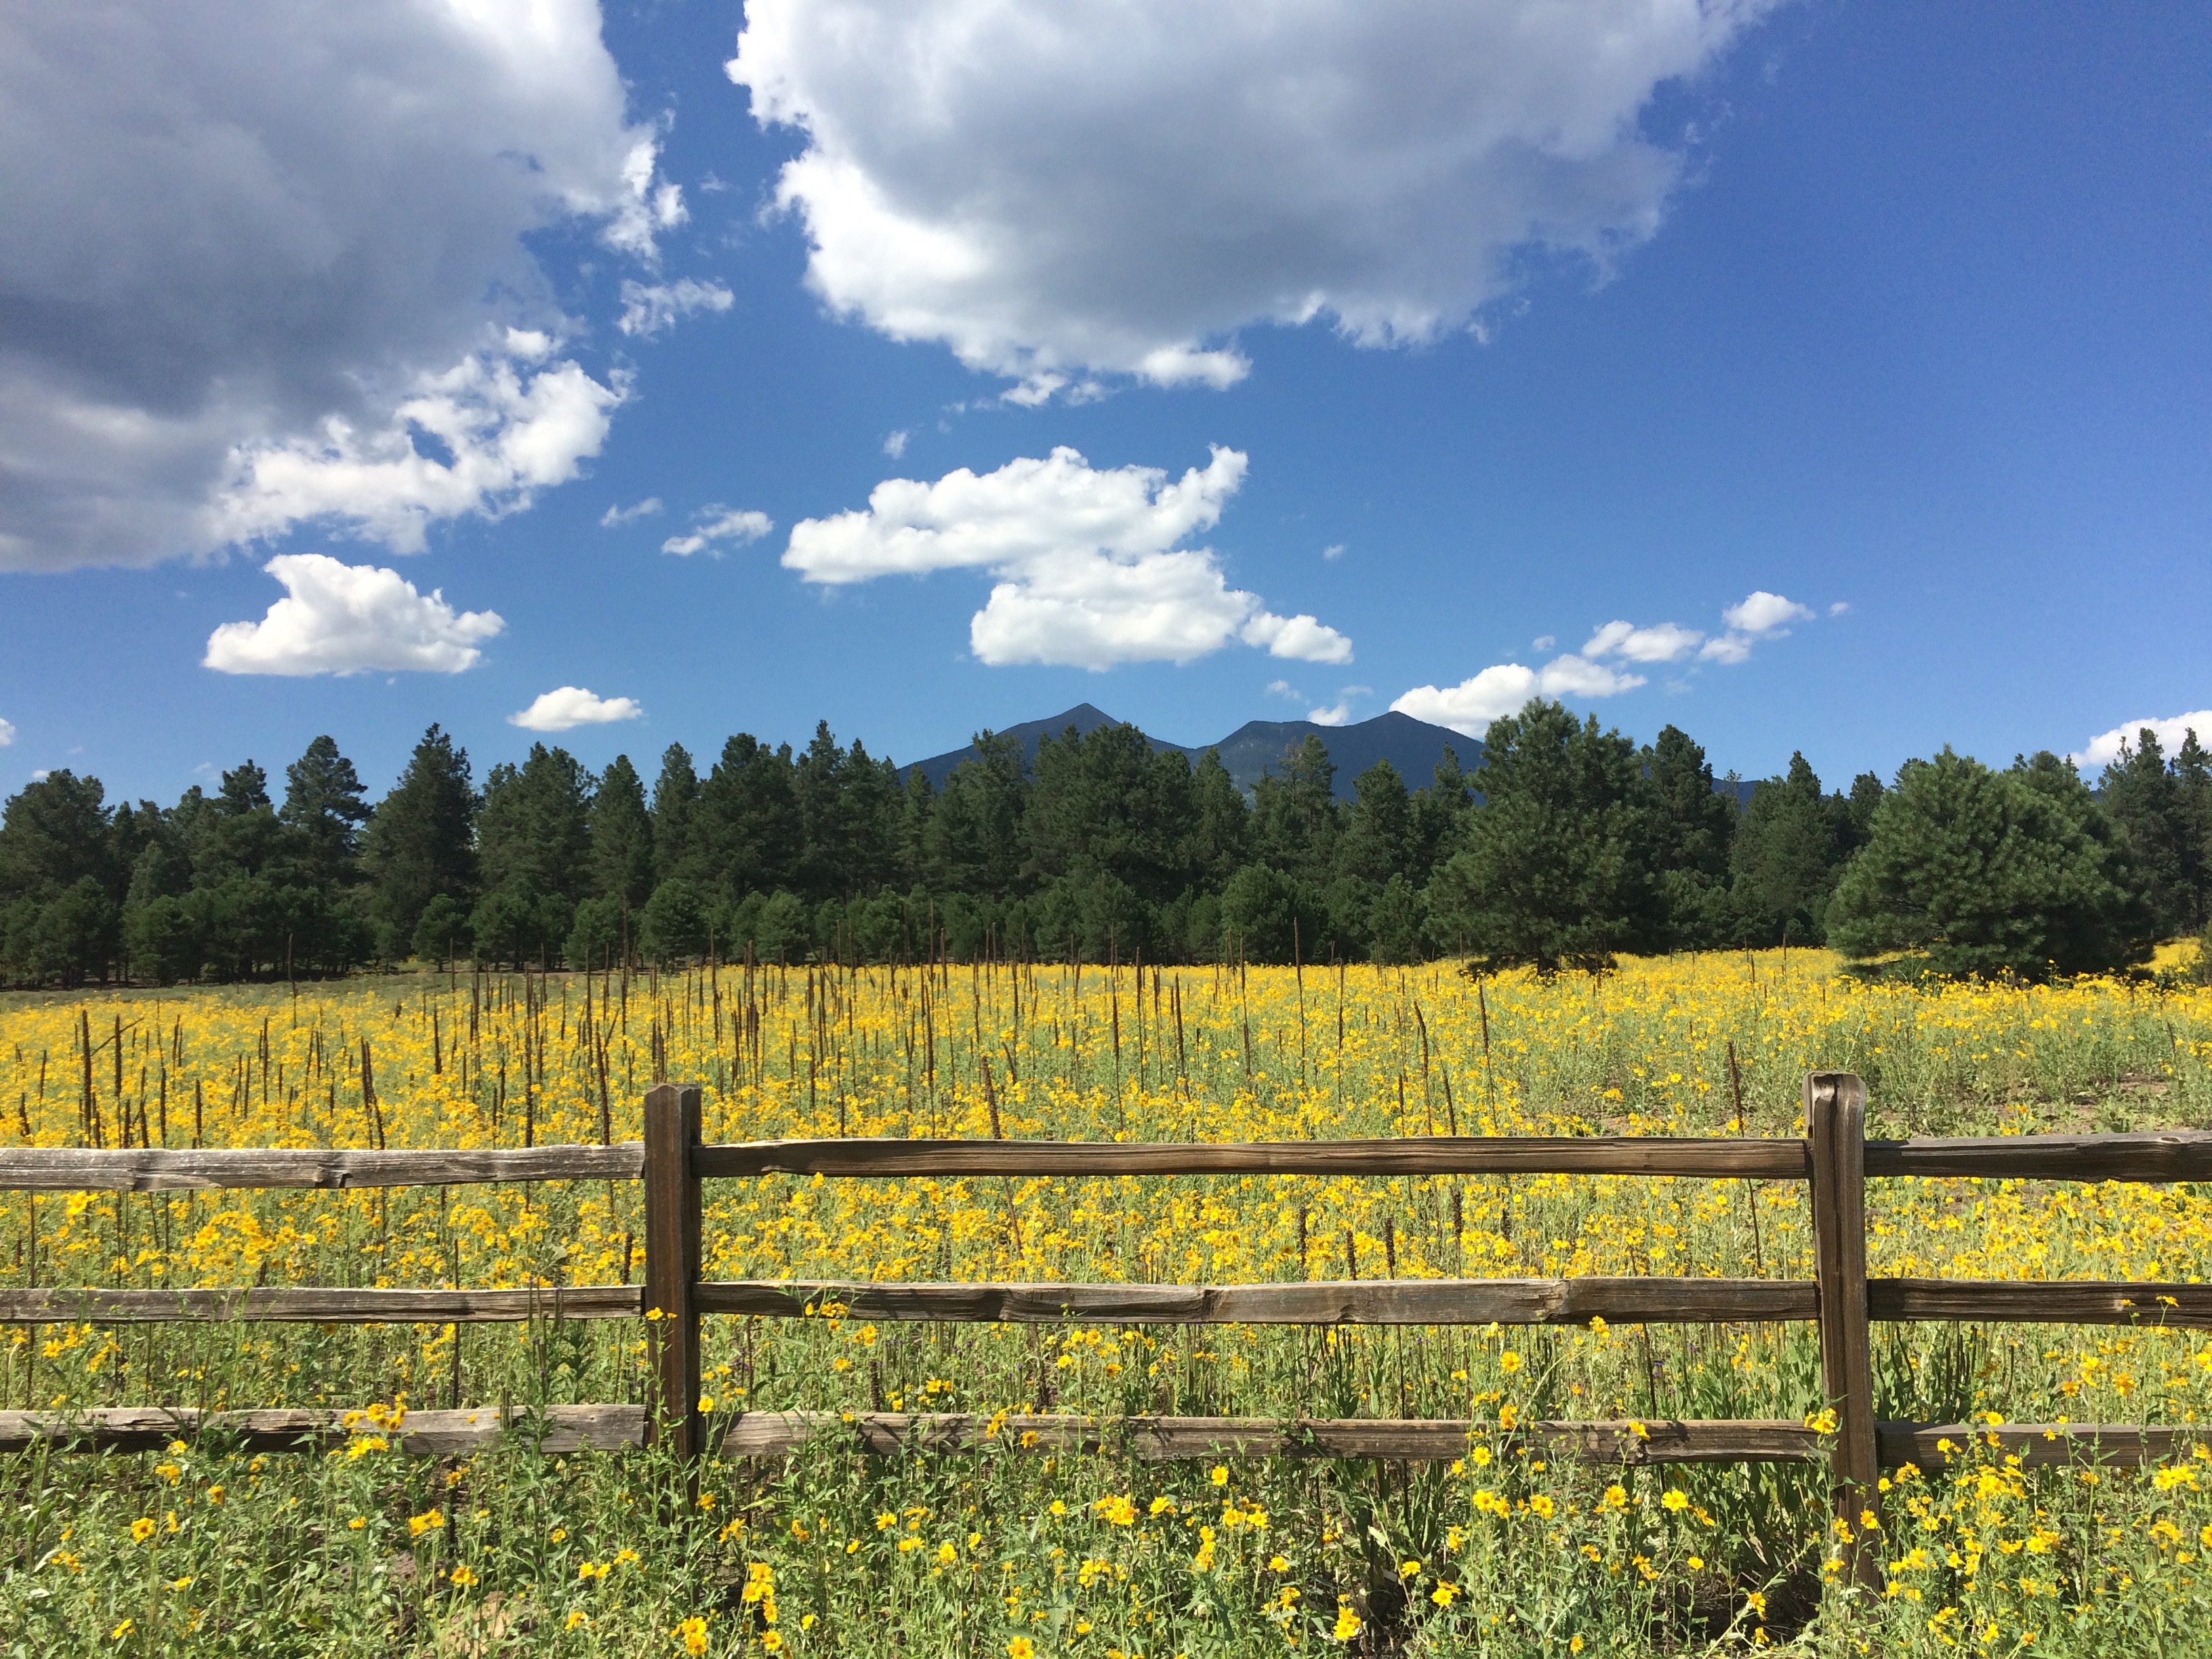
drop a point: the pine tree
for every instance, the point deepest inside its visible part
(421, 842)
(1554, 872)
(324, 809)
(1693, 827)
(1986, 872)
(1787, 852)
(675, 803)
(2156, 809)
(622, 837)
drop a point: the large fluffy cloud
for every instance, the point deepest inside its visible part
(1090, 572)
(2105, 748)
(350, 619)
(246, 246)
(1051, 189)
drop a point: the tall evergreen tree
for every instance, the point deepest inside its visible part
(1296, 818)
(534, 824)
(748, 823)
(2158, 813)
(1440, 813)
(1787, 852)
(622, 837)
(324, 809)
(1554, 871)
(1221, 824)
(1104, 802)
(675, 803)
(977, 839)
(421, 844)
(1691, 827)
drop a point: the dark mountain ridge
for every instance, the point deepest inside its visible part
(1413, 746)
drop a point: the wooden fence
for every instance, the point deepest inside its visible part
(1834, 1158)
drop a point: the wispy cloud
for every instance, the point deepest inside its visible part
(718, 525)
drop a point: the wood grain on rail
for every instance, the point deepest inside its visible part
(1717, 1157)
(776, 1434)
(1931, 1445)
(1356, 1302)
(557, 1431)
(144, 1169)
(321, 1305)
(2159, 1155)
(2042, 1302)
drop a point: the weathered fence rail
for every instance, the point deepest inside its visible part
(1833, 1157)
(158, 1169)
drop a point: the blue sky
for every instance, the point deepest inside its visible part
(1888, 308)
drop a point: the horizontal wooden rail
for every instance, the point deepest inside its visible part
(2036, 1444)
(1719, 1156)
(776, 1434)
(560, 1429)
(142, 1170)
(2158, 1155)
(2042, 1302)
(1356, 1302)
(320, 1305)
(2175, 1155)
(1727, 1440)
(1344, 1302)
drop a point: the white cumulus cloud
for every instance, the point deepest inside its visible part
(7, 734)
(650, 307)
(245, 245)
(2105, 748)
(567, 707)
(621, 515)
(1090, 570)
(1503, 688)
(1054, 191)
(718, 525)
(1762, 612)
(1761, 615)
(350, 619)
(510, 423)
(1667, 642)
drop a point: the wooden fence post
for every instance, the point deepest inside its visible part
(672, 1264)
(1835, 1131)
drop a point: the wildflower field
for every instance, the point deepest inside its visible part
(1009, 1551)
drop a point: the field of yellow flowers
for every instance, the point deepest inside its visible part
(1012, 1553)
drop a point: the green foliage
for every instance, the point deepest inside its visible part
(1577, 847)
(1992, 872)
(421, 841)
(1269, 916)
(1690, 825)
(673, 928)
(1553, 872)
(443, 931)
(1788, 853)
(2161, 815)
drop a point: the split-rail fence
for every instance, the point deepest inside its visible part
(1834, 1156)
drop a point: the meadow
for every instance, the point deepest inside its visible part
(1008, 1552)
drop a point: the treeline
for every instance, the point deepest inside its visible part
(1580, 844)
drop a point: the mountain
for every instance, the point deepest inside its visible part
(1411, 745)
